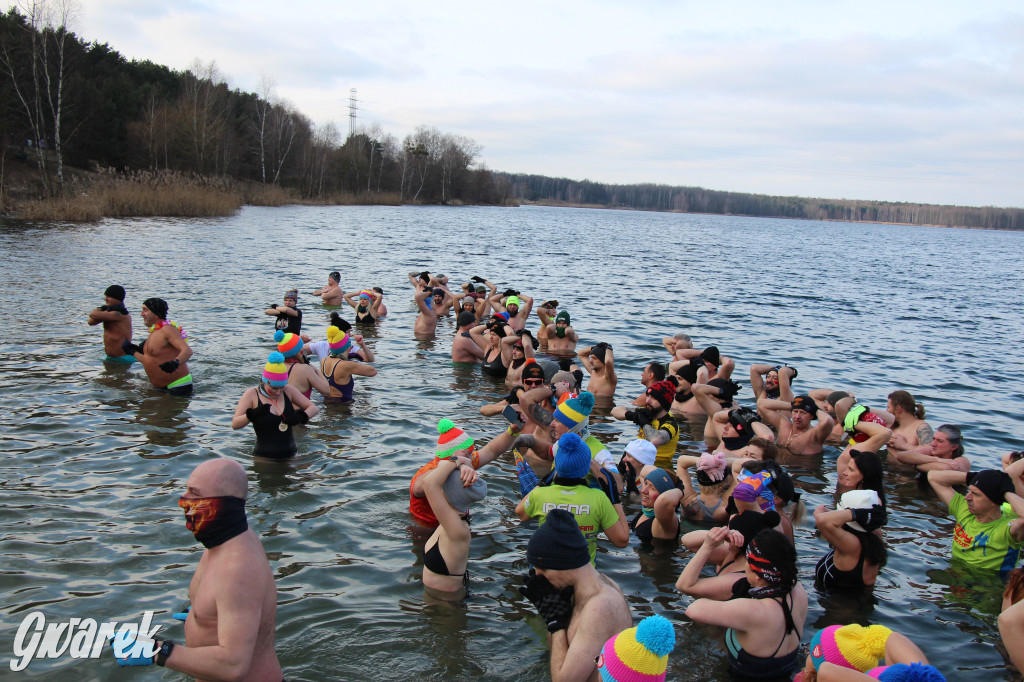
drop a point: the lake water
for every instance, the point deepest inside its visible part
(95, 459)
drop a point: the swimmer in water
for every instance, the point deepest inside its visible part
(367, 307)
(229, 628)
(446, 552)
(466, 347)
(338, 369)
(796, 432)
(909, 429)
(165, 354)
(581, 608)
(599, 361)
(302, 376)
(652, 372)
(273, 408)
(517, 305)
(426, 321)
(547, 313)
(117, 324)
(676, 343)
(289, 317)
(332, 295)
(561, 337)
(768, 601)
(944, 452)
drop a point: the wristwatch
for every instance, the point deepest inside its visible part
(166, 647)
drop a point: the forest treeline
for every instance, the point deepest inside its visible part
(70, 103)
(66, 103)
(648, 197)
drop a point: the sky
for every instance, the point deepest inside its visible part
(896, 101)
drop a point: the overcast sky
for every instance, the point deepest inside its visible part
(902, 101)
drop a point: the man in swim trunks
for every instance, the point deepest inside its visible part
(165, 354)
(289, 318)
(331, 294)
(517, 305)
(983, 536)
(580, 607)
(117, 324)
(796, 433)
(229, 628)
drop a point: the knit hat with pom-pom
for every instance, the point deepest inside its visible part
(850, 646)
(451, 438)
(638, 654)
(288, 344)
(274, 372)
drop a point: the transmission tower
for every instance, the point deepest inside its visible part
(352, 107)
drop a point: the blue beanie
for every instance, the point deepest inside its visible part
(572, 459)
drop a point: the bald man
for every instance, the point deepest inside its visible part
(229, 630)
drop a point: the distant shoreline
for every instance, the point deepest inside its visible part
(562, 204)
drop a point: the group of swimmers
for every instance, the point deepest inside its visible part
(573, 486)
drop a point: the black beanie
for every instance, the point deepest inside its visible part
(115, 291)
(157, 306)
(466, 318)
(994, 484)
(558, 544)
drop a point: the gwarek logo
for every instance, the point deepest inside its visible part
(80, 638)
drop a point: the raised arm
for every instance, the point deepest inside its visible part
(942, 483)
(368, 355)
(756, 381)
(350, 298)
(718, 587)
(99, 315)
(775, 410)
(703, 393)
(786, 376)
(584, 355)
(830, 525)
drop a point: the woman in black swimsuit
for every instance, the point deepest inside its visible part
(273, 408)
(499, 356)
(368, 306)
(768, 602)
(446, 552)
(732, 567)
(857, 551)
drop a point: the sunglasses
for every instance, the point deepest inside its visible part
(532, 382)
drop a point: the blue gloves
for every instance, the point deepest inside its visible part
(183, 616)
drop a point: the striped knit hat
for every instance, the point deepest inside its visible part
(288, 344)
(638, 654)
(338, 340)
(451, 438)
(850, 646)
(575, 412)
(274, 372)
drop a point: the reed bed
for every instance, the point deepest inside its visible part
(136, 194)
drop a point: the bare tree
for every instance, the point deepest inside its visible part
(263, 107)
(42, 100)
(203, 108)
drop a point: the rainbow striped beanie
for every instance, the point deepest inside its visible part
(575, 412)
(451, 438)
(850, 646)
(338, 340)
(288, 344)
(275, 372)
(638, 654)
